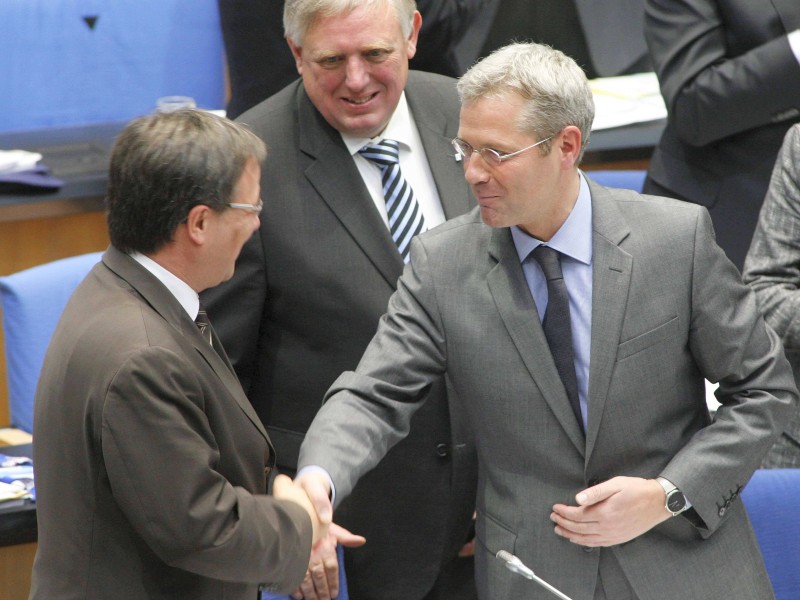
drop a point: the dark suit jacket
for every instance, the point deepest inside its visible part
(150, 462)
(732, 89)
(303, 304)
(667, 310)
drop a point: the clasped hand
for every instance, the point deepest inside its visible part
(612, 512)
(311, 491)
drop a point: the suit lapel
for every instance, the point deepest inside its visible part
(611, 276)
(338, 183)
(164, 303)
(513, 299)
(435, 131)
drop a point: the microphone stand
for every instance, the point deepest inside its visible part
(515, 565)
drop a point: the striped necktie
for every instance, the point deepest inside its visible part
(204, 325)
(402, 208)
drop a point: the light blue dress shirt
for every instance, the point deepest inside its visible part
(574, 241)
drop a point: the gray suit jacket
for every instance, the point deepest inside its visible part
(667, 310)
(305, 301)
(772, 269)
(732, 88)
(151, 465)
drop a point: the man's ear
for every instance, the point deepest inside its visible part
(197, 224)
(568, 142)
(413, 37)
(297, 52)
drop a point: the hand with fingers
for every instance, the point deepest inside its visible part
(612, 512)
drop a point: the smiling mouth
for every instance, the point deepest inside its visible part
(360, 101)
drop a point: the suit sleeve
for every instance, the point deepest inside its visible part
(772, 267)
(235, 309)
(710, 93)
(367, 411)
(161, 459)
(731, 344)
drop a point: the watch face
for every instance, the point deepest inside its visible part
(675, 501)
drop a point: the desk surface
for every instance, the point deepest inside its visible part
(18, 524)
(80, 156)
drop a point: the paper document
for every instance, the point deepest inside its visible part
(626, 99)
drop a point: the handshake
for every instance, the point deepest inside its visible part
(312, 491)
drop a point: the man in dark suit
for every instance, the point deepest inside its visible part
(730, 76)
(577, 324)
(151, 465)
(260, 63)
(310, 286)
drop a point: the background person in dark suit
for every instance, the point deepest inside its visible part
(772, 269)
(151, 465)
(730, 76)
(310, 286)
(654, 306)
(604, 38)
(260, 63)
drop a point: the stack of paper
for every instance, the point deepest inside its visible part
(626, 99)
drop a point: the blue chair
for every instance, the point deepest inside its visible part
(343, 595)
(32, 302)
(629, 180)
(772, 500)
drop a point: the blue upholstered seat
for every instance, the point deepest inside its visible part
(630, 179)
(32, 302)
(772, 499)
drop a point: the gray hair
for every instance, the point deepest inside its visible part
(554, 87)
(166, 163)
(298, 15)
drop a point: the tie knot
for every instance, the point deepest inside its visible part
(549, 260)
(384, 153)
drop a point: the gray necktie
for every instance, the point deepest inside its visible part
(557, 324)
(204, 325)
(405, 215)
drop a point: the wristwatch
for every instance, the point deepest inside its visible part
(676, 501)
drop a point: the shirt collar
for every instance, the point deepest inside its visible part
(573, 238)
(183, 293)
(398, 128)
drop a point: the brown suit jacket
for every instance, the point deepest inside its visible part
(151, 465)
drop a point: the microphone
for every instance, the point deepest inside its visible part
(515, 565)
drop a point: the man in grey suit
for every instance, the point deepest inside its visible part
(644, 504)
(310, 286)
(772, 269)
(151, 465)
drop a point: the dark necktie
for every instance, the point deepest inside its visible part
(558, 326)
(405, 215)
(204, 325)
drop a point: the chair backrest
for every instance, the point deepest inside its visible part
(772, 499)
(32, 302)
(627, 179)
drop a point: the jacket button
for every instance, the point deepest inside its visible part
(722, 510)
(441, 450)
(267, 470)
(588, 550)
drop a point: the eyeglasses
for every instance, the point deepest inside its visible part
(254, 208)
(490, 155)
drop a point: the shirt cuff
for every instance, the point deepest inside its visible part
(324, 473)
